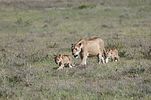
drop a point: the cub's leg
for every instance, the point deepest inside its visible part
(117, 58)
(70, 65)
(107, 60)
(61, 67)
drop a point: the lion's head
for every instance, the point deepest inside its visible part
(76, 49)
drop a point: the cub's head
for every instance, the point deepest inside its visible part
(109, 53)
(58, 59)
(76, 49)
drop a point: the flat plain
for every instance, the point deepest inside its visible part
(32, 33)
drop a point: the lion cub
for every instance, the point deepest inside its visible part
(112, 54)
(63, 60)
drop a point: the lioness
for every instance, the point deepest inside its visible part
(63, 60)
(113, 54)
(88, 47)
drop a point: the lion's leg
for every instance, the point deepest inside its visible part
(101, 58)
(61, 67)
(84, 60)
(103, 61)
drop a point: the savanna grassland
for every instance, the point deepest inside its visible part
(32, 32)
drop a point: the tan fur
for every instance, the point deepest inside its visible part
(63, 60)
(113, 54)
(88, 47)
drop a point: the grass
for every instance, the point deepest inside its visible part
(29, 38)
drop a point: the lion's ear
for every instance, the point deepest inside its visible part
(72, 45)
(60, 55)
